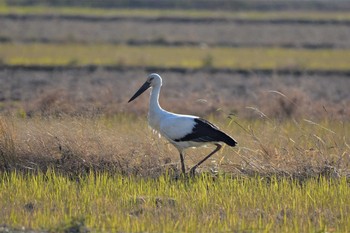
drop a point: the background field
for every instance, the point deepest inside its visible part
(75, 157)
(306, 29)
(231, 64)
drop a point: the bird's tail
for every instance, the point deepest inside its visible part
(228, 140)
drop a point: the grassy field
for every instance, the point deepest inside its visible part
(75, 157)
(104, 203)
(184, 57)
(195, 14)
(113, 174)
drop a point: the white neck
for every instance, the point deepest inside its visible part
(154, 99)
(155, 111)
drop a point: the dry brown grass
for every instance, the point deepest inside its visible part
(78, 121)
(75, 145)
(123, 144)
(289, 103)
(103, 92)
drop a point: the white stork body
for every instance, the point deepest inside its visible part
(183, 131)
(176, 127)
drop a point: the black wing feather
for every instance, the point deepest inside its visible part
(204, 131)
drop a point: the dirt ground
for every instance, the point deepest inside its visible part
(106, 91)
(212, 33)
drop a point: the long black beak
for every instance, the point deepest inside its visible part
(142, 89)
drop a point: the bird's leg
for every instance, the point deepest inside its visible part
(193, 169)
(182, 163)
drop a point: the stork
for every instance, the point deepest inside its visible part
(183, 131)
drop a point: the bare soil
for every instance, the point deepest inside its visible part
(212, 33)
(101, 91)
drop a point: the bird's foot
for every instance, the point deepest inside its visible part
(192, 172)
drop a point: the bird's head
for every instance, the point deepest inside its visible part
(152, 81)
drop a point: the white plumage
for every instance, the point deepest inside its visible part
(183, 131)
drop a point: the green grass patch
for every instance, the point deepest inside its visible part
(153, 13)
(301, 182)
(105, 203)
(165, 57)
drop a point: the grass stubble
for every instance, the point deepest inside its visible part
(114, 175)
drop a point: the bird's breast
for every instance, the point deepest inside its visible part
(153, 121)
